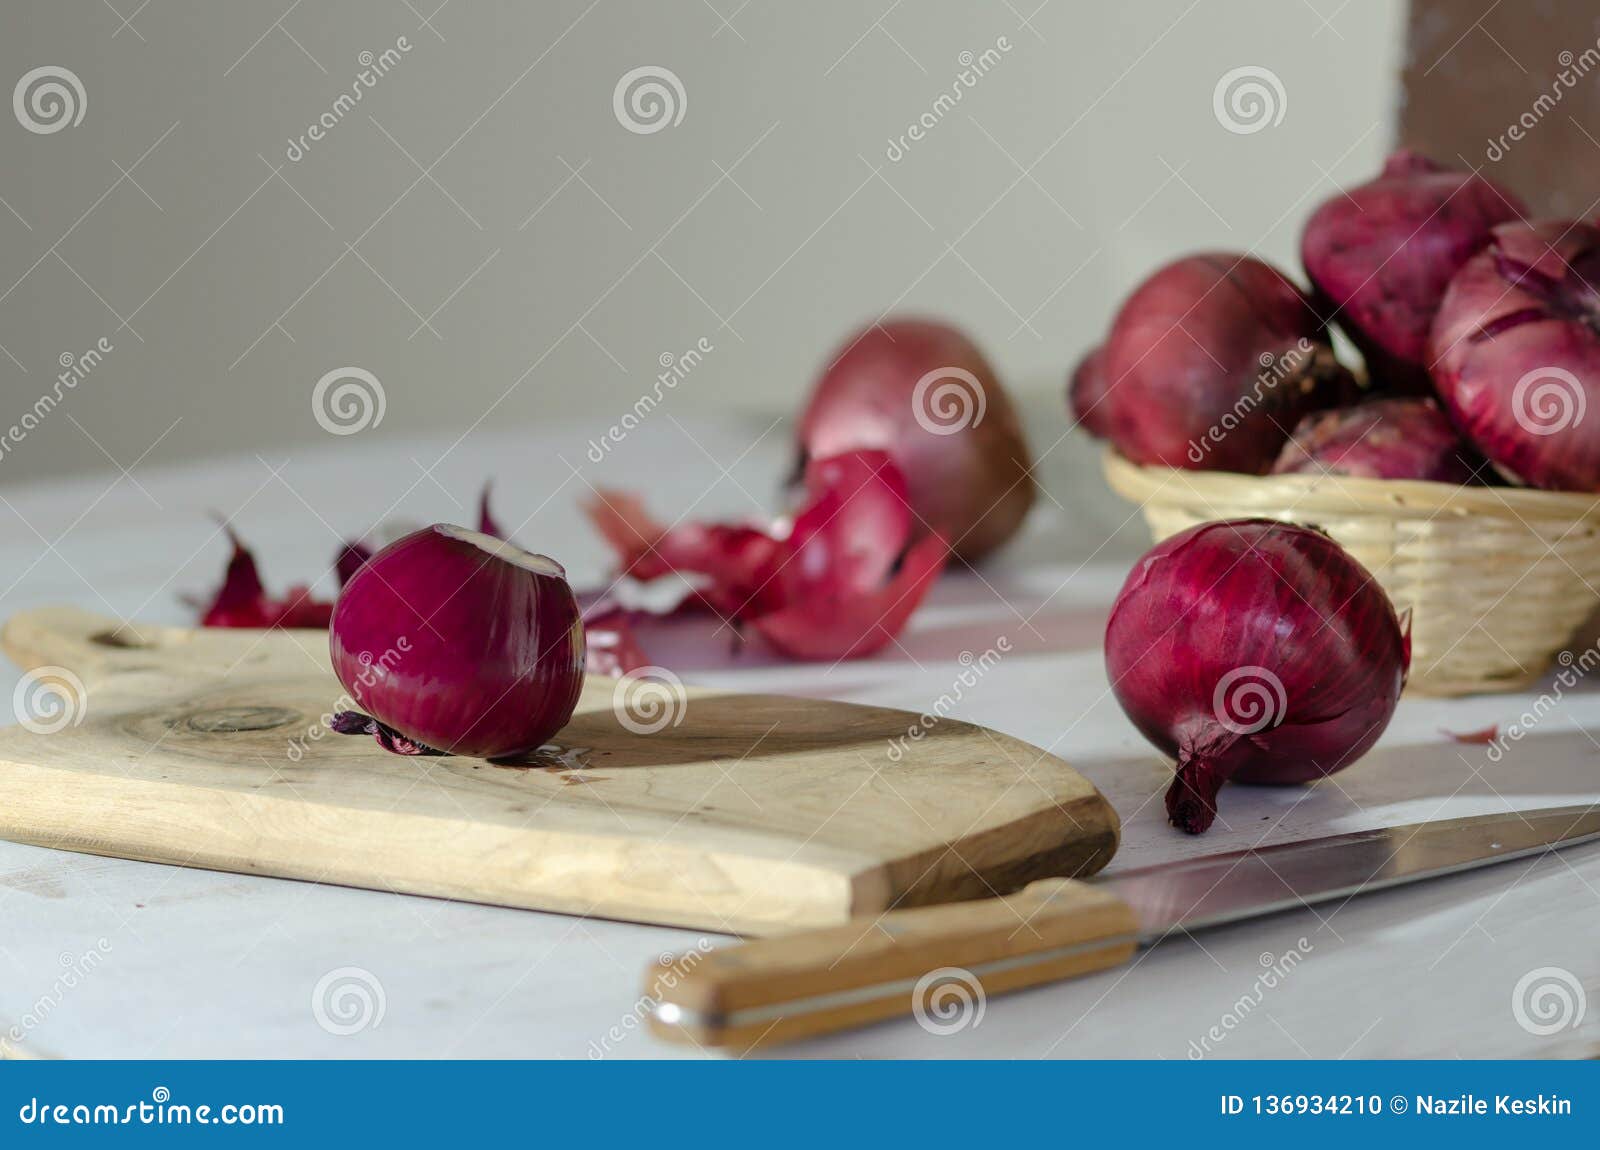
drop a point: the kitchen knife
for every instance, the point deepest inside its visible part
(927, 960)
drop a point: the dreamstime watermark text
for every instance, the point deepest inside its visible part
(75, 368)
(1574, 668)
(973, 669)
(1572, 69)
(373, 68)
(1275, 970)
(75, 969)
(674, 968)
(674, 370)
(973, 68)
(1275, 370)
(373, 669)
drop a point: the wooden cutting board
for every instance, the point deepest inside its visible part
(749, 813)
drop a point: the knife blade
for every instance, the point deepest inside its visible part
(932, 960)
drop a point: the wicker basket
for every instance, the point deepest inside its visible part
(1497, 579)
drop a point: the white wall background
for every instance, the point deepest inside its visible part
(485, 186)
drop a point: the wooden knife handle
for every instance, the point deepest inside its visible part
(940, 963)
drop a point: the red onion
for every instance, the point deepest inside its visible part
(924, 393)
(1088, 397)
(1383, 253)
(1383, 439)
(1211, 361)
(460, 643)
(1253, 650)
(1516, 353)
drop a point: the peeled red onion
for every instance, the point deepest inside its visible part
(353, 553)
(923, 392)
(1516, 353)
(1211, 361)
(460, 643)
(1087, 396)
(1383, 253)
(1383, 439)
(1253, 650)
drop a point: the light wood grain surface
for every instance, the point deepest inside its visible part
(939, 963)
(746, 813)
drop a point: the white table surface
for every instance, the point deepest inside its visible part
(201, 964)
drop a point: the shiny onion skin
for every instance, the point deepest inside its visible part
(1211, 362)
(840, 582)
(1088, 397)
(1218, 651)
(923, 392)
(461, 643)
(1516, 353)
(1381, 255)
(1381, 439)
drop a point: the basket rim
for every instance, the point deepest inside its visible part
(1214, 492)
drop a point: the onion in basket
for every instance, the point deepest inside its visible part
(1382, 254)
(1516, 350)
(1210, 363)
(1383, 439)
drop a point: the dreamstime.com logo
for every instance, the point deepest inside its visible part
(49, 699)
(348, 1000)
(1248, 99)
(1249, 699)
(948, 1000)
(48, 99)
(948, 400)
(649, 699)
(1548, 400)
(159, 1110)
(648, 99)
(1548, 1000)
(348, 400)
